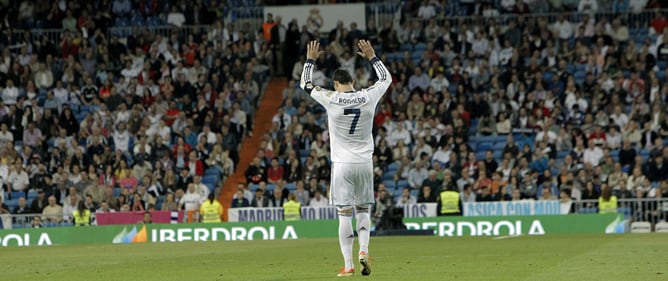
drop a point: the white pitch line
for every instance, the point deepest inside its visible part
(506, 237)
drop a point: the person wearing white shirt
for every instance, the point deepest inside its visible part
(417, 175)
(318, 200)
(588, 6)
(619, 118)
(121, 138)
(421, 147)
(405, 199)
(442, 155)
(165, 132)
(18, 178)
(613, 138)
(122, 115)
(563, 28)
(592, 154)
(439, 83)
(638, 6)
(175, 17)
(69, 207)
(426, 11)
(399, 134)
(208, 134)
(10, 94)
(6, 136)
(200, 188)
(191, 200)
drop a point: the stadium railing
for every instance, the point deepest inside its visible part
(635, 209)
(633, 20)
(651, 210)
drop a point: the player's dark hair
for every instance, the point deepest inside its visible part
(342, 76)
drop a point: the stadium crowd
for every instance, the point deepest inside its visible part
(571, 107)
(135, 120)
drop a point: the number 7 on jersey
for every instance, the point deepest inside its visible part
(357, 113)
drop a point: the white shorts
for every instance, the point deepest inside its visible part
(352, 184)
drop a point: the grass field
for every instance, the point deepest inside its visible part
(554, 257)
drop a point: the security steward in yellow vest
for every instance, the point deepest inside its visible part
(292, 209)
(607, 206)
(211, 210)
(81, 215)
(450, 203)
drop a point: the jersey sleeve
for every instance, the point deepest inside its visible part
(320, 95)
(378, 89)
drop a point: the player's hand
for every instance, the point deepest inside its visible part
(366, 50)
(313, 50)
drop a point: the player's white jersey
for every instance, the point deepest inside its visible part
(350, 114)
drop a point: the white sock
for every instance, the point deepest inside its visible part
(346, 239)
(363, 228)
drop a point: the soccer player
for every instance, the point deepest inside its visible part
(350, 120)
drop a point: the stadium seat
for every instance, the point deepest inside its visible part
(641, 227)
(499, 146)
(421, 47)
(210, 179)
(589, 210)
(402, 184)
(480, 155)
(484, 146)
(393, 167)
(17, 194)
(32, 194)
(12, 203)
(212, 172)
(661, 227)
(271, 187)
(390, 184)
(117, 191)
(291, 186)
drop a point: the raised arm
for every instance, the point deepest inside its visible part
(384, 77)
(312, 53)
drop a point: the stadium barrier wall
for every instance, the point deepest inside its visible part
(520, 225)
(199, 232)
(516, 208)
(251, 214)
(321, 17)
(168, 233)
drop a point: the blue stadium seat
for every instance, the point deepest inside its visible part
(271, 187)
(213, 179)
(402, 184)
(291, 186)
(480, 155)
(390, 184)
(17, 194)
(32, 194)
(484, 146)
(212, 172)
(589, 210)
(117, 191)
(137, 20)
(499, 146)
(420, 47)
(12, 203)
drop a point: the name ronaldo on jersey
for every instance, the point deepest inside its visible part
(357, 100)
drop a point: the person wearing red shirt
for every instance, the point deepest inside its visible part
(195, 165)
(598, 136)
(275, 172)
(180, 142)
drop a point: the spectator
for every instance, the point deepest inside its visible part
(318, 200)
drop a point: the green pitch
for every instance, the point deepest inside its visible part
(554, 257)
